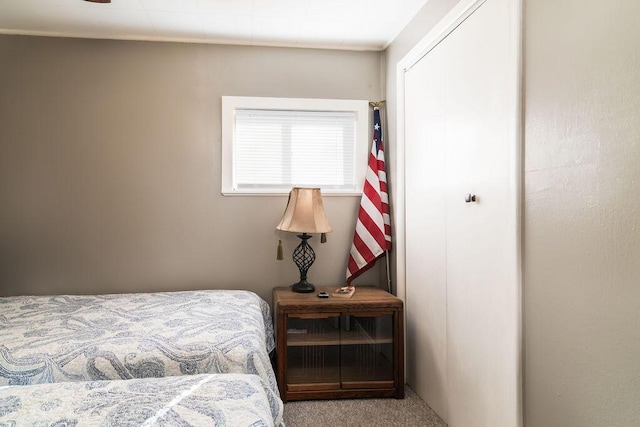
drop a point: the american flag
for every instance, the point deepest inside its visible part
(373, 227)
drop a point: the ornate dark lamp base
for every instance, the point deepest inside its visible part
(303, 287)
(303, 256)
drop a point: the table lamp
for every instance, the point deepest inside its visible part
(304, 214)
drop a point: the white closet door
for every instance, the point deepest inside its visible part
(426, 299)
(461, 271)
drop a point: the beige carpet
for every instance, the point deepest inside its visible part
(410, 412)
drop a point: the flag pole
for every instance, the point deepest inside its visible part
(386, 257)
(377, 105)
(372, 235)
(386, 252)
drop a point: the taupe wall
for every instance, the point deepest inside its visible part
(581, 242)
(110, 166)
(582, 213)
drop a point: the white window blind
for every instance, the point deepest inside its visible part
(282, 149)
(273, 144)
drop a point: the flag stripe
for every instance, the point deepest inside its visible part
(372, 244)
(370, 217)
(372, 236)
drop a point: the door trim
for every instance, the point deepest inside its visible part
(449, 23)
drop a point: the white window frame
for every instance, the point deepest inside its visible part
(232, 103)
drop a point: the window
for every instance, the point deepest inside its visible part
(270, 145)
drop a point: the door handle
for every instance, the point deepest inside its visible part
(470, 198)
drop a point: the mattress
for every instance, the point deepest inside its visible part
(197, 400)
(46, 339)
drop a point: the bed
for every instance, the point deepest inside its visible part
(47, 339)
(197, 400)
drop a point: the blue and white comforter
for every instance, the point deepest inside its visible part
(197, 400)
(45, 339)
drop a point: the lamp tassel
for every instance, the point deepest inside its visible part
(323, 238)
(280, 255)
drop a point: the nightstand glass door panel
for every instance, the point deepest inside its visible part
(313, 352)
(367, 351)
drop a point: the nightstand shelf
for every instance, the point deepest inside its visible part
(339, 347)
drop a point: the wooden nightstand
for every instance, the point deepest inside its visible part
(330, 348)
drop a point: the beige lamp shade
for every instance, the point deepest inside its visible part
(305, 212)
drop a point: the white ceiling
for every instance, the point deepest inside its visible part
(339, 24)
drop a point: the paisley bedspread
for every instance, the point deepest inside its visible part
(196, 400)
(46, 339)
